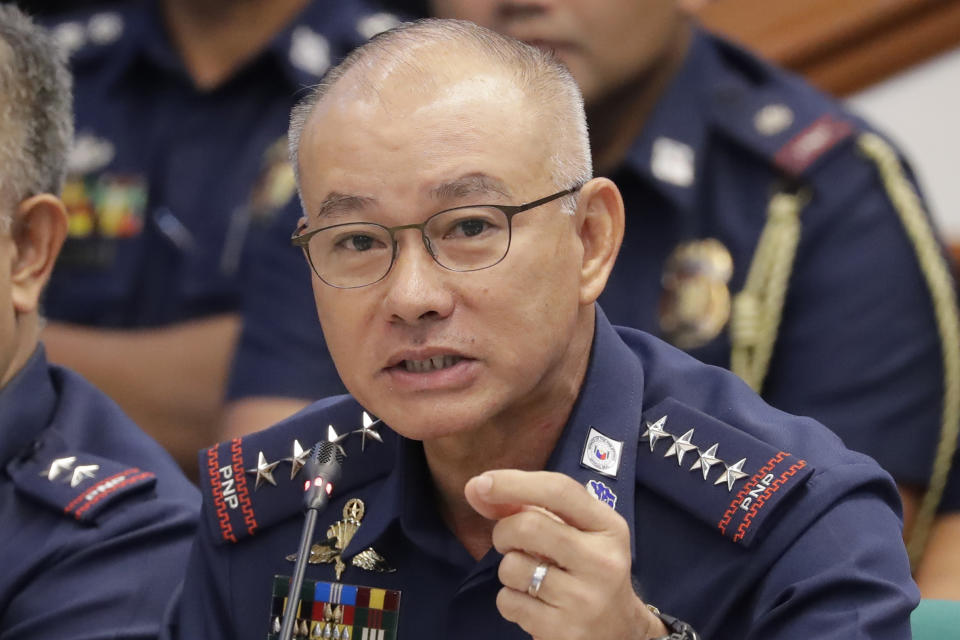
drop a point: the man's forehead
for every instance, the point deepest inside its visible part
(427, 75)
(467, 116)
(475, 185)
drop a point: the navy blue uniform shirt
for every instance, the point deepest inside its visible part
(752, 530)
(857, 347)
(167, 181)
(96, 519)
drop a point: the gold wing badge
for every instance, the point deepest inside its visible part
(339, 535)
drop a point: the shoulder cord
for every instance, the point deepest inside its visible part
(937, 274)
(758, 308)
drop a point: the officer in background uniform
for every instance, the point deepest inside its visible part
(179, 159)
(96, 519)
(768, 231)
(777, 236)
(536, 471)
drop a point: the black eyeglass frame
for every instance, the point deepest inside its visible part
(302, 240)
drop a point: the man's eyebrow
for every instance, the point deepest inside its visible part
(473, 184)
(338, 204)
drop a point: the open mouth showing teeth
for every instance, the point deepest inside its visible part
(430, 364)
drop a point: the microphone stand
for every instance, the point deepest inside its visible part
(323, 471)
(300, 567)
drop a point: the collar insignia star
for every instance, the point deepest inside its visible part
(298, 459)
(655, 431)
(706, 460)
(264, 471)
(733, 473)
(332, 437)
(681, 446)
(368, 431)
(57, 466)
(83, 472)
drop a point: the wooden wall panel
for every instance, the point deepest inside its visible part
(842, 46)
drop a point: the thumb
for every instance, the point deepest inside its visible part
(478, 492)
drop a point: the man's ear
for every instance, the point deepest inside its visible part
(600, 220)
(39, 229)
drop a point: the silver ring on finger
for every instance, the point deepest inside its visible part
(539, 573)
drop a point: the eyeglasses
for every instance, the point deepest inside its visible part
(468, 238)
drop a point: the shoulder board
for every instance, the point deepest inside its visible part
(80, 485)
(251, 483)
(780, 117)
(723, 476)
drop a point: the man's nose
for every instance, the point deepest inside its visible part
(416, 287)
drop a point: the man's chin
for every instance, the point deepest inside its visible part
(431, 421)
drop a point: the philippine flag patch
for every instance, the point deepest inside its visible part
(601, 453)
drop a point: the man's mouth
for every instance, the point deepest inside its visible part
(436, 363)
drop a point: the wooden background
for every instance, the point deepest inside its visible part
(842, 46)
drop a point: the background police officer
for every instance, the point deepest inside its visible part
(771, 232)
(96, 519)
(181, 108)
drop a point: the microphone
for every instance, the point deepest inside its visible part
(323, 471)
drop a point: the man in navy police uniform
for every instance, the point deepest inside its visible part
(180, 159)
(728, 168)
(536, 471)
(96, 519)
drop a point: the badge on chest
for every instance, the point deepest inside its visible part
(695, 303)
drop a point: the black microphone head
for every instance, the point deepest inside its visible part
(326, 452)
(322, 471)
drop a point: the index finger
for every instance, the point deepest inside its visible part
(503, 492)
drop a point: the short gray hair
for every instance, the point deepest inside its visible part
(36, 110)
(537, 72)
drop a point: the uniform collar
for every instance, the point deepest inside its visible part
(610, 402)
(670, 149)
(303, 50)
(27, 404)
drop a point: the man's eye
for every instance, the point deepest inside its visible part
(470, 228)
(357, 242)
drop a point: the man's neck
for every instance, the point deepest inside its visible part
(26, 337)
(521, 438)
(216, 37)
(617, 119)
(454, 460)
